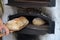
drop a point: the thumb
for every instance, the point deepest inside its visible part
(6, 30)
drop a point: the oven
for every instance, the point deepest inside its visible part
(32, 9)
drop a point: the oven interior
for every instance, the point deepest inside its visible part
(30, 14)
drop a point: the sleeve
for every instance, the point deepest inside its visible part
(1, 8)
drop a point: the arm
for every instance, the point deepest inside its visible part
(2, 26)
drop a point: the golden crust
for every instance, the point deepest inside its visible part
(38, 21)
(17, 23)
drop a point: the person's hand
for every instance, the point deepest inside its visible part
(2, 26)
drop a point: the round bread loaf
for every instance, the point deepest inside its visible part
(17, 24)
(38, 21)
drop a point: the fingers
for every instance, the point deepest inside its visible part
(6, 29)
(1, 33)
(2, 26)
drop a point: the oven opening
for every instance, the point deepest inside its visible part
(31, 32)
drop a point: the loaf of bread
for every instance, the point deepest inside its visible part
(17, 23)
(38, 21)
